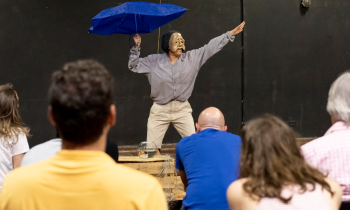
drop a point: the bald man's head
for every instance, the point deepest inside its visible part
(211, 118)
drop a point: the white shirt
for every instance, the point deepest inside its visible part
(42, 152)
(8, 151)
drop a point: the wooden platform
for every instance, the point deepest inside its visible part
(169, 149)
(163, 168)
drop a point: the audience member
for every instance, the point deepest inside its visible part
(274, 174)
(331, 153)
(13, 133)
(208, 162)
(81, 175)
(48, 149)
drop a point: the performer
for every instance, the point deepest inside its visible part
(172, 76)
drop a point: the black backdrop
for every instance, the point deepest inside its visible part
(290, 58)
(38, 36)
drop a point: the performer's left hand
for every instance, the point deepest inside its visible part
(238, 29)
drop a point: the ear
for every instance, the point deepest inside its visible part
(112, 118)
(50, 116)
(198, 128)
(225, 128)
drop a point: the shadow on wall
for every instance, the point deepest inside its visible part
(303, 9)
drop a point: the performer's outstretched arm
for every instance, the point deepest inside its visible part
(201, 55)
(137, 64)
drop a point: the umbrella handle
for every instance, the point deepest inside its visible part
(136, 23)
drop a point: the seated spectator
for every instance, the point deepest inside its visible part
(48, 149)
(208, 162)
(13, 133)
(274, 174)
(331, 153)
(81, 175)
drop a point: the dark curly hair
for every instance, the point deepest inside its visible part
(271, 159)
(80, 95)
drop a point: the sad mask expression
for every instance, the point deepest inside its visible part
(176, 41)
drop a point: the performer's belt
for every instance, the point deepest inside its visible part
(176, 100)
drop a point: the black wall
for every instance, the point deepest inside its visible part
(292, 56)
(39, 36)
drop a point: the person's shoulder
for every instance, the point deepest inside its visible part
(22, 138)
(42, 151)
(22, 135)
(186, 139)
(235, 192)
(131, 178)
(236, 187)
(53, 143)
(231, 136)
(336, 199)
(315, 144)
(133, 174)
(335, 187)
(155, 57)
(238, 198)
(26, 175)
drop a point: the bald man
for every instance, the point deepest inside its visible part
(208, 162)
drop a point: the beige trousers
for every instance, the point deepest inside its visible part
(176, 112)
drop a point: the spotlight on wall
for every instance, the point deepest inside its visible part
(306, 3)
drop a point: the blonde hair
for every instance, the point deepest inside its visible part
(11, 124)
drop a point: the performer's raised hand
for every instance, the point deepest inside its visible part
(137, 40)
(238, 29)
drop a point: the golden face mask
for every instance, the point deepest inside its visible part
(176, 41)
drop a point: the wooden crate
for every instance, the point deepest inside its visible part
(163, 168)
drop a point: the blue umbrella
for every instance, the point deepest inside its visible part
(134, 17)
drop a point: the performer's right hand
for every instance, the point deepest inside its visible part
(137, 40)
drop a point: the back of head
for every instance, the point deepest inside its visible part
(10, 121)
(81, 94)
(271, 159)
(338, 105)
(211, 118)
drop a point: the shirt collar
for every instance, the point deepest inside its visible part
(338, 126)
(82, 155)
(182, 57)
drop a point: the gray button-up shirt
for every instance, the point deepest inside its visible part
(175, 81)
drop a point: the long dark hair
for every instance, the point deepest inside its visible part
(11, 124)
(271, 159)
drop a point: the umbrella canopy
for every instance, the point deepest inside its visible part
(134, 17)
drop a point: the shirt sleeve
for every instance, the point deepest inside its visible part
(199, 56)
(140, 65)
(21, 146)
(179, 164)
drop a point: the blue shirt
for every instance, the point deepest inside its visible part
(210, 159)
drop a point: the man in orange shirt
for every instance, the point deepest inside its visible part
(81, 175)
